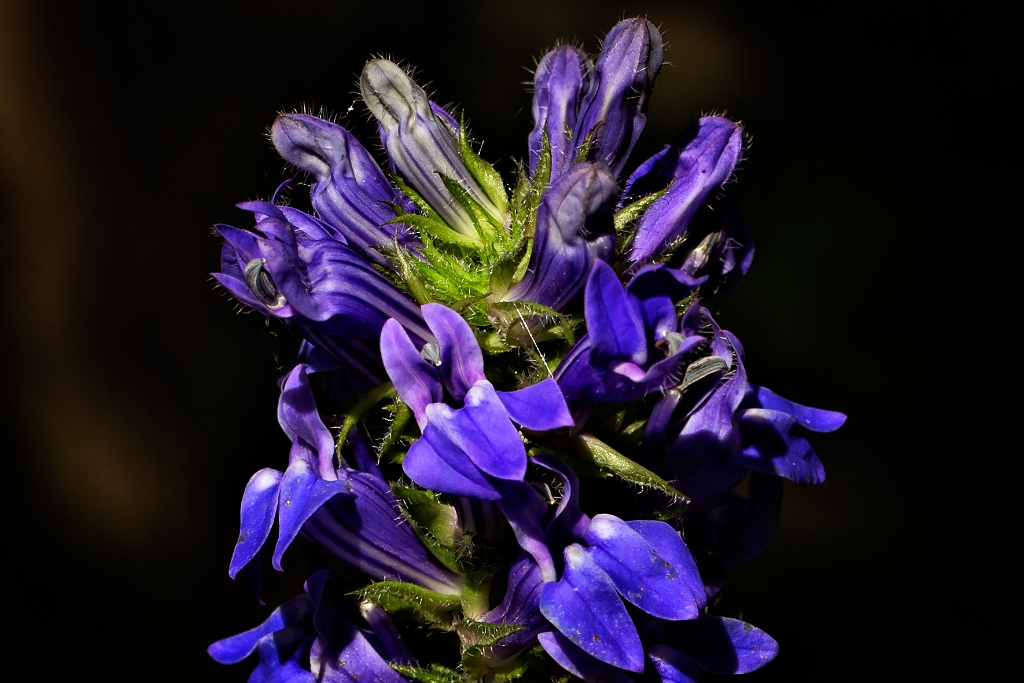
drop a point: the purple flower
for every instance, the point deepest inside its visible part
(350, 193)
(309, 638)
(301, 270)
(699, 164)
(733, 428)
(615, 107)
(635, 342)
(422, 145)
(468, 450)
(574, 229)
(559, 84)
(351, 513)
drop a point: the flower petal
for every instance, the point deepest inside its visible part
(367, 530)
(577, 662)
(669, 545)
(462, 363)
(351, 192)
(436, 463)
(616, 107)
(586, 609)
(415, 380)
(672, 666)
(236, 648)
(526, 511)
(302, 494)
(298, 417)
(538, 407)
(815, 419)
(724, 646)
(259, 507)
(420, 146)
(706, 159)
(771, 446)
(483, 430)
(559, 84)
(614, 320)
(574, 228)
(639, 572)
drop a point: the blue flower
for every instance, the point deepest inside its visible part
(460, 300)
(467, 450)
(351, 513)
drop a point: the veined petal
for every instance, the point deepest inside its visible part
(350, 192)
(367, 530)
(259, 507)
(706, 161)
(538, 407)
(639, 572)
(302, 494)
(574, 228)
(279, 658)
(415, 380)
(584, 606)
(521, 605)
(559, 84)
(577, 662)
(462, 363)
(616, 106)
(420, 147)
(568, 524)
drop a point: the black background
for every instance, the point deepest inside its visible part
(138, 402)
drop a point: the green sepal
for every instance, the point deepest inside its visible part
(485, 174)
(435, 674)
(400, 420)
(492, 342)
(411, 277)
(479, 634)
(484, 223)
(437, 229)
(426, 606)
(602, 460)
(364, 404)
(504, 269)
(419, 201)
(583, 151)
(437, 525)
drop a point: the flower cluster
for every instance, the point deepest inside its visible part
(540, 428)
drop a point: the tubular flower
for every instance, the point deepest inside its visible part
(488, 352)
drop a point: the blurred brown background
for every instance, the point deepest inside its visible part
(138, 403)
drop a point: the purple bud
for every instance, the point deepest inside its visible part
(421, 146)
(574, 227)
(704, 160)
(616, 106)
(351, 192)
(559, 83)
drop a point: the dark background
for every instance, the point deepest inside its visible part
(138, 403)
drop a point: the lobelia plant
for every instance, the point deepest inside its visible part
(540, 427)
